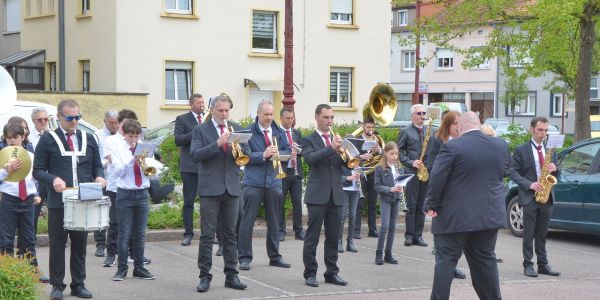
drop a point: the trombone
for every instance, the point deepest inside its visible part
(277, 161)
(240, 158)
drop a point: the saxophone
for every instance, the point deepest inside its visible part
(422, 173)
(546, 180)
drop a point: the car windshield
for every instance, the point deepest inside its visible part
(159, 131)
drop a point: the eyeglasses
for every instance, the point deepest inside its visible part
(42, 120)
(71, 118)
(421, 113)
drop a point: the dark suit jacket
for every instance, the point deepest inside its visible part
(325, 170)
(432, 151)
(384, 181)
(297, 137)
(217, 171)
(260, 172)
(466, 186)
(522, 171)
(184, 126)
(48, 164)
(410, 144)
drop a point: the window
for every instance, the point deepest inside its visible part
(85, 75)
(341, 11)
(557, 104)
(12, 16)
(526, 107)
(404, 101)
(340, 86)
(579, 161)
(445, 59)
(402, 18)
(178, 82)
(52, 72)
(85, 7)
(518, 59)
(453, 97)
(408, 60)
(34, 8)
(594, 88)
(264, 32)
(179, 6)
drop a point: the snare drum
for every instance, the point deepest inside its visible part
(87, 215)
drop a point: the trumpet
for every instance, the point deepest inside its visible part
(240, 158)
(351, 162)
(298, 151)
(277, 162)
(149, 171)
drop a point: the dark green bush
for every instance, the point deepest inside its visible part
(170, 158)
(18, 279)
(169, 217)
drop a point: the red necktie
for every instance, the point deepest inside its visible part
(224, 147)
(199, 117)
(326, 137)
(70, 141)
(291, 143)
(267, 141)
(420, 131)
(540, 158)
(22, 190)
(136, 171)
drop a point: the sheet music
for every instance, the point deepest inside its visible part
(555, 141)
(144, 148)
(368, 145)
(402, 180)
(241, 137)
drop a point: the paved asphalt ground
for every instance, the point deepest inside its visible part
(576, 256)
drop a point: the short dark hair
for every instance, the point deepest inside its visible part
(320, 108)
(368, 120)
(13, 129)
(126, 114)
(66, 102)
(537, 120)
(193, 97)
(285, 109)
(132, 126)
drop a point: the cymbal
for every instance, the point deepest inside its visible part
(10, 153)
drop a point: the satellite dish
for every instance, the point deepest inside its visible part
(8, 91)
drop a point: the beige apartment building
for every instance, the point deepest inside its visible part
(172, 48)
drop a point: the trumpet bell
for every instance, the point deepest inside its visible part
(242, 160)
(353, 163)
(10, 153)
(150, 171)
(281, 175)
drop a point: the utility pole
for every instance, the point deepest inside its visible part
(415, 99)
(288, 64)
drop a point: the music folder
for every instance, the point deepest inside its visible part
(281, 157)
(403, 179)
(240, 137)
(144, 148)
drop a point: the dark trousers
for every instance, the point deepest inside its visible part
(210, 207)
(58, 239)
(389, 216)
(100, 237)
(16, 214)
(190, 190)
(370, 199)
(253, 197)
(415, 217)
(37, 211)
(132, 213)
(535, 226)
(329, 215)
(479, 247)
(348, 209)
(112, 233)
(292, 185)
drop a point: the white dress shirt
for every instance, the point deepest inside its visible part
(196, 116)
(123, 164)
(536, 158)
(73, 138)
(34, 137)
(110, 144)
(323, 138)
(12, 188)
(217, 126)
(102, 134)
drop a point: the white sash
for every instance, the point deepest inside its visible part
(72, 154)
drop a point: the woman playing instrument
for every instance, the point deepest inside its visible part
(390, 197)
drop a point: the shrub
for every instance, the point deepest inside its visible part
(168, 216)
(18, 279)
(170, 159)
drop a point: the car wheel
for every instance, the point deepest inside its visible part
(514, 216)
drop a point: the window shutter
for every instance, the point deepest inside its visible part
(444, 53)
(341, 6)
(179, 65)
(263, 25)
(86, 66)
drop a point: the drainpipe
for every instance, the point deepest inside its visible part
(61, 44)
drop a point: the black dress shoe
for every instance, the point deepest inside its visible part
(356, 235)
(279, 263)
(57, 293)
(311, 281)
(350, 247)
(244, 265)
(204, 285)
(233, 281)
(335, 279)
(340, 246)
(81, 292)
(459, 274)
(109, 261)
(530, 272)
(300, 236)
(420, 242)
(99, 251)
(389, 258)
(373, 234)
(219, 251)
(499, 260)
(187, 240)
(282, 236)
(408, 242)
(547, 270)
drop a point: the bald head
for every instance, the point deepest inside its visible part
(469, 121)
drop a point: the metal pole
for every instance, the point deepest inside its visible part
(61, 44)
(288, 65)
(415, 99)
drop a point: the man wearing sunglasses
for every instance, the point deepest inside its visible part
(56, 166)
(410, 142)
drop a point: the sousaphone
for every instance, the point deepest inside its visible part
(8, 91)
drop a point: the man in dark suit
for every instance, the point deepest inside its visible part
(323, 196)
(56, 170)
(219, 191)
(466, 202)
(261, 186)
(527, 162)
(292, 183)
(410, 142)
(188, 169)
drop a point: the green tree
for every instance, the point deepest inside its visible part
(515, 92)
(552, 36)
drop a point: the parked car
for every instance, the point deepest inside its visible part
(595, 125)
(495, 122)
(576, 194)
(454, 106)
